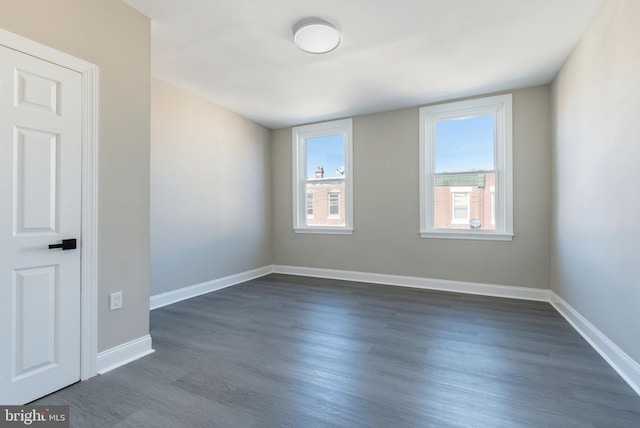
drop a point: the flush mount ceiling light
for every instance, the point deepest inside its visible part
(316, 36)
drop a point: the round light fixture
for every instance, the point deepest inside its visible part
(316, 36)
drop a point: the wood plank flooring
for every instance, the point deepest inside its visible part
(286, 351)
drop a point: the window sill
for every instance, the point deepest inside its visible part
(324, 231)
(476, 236)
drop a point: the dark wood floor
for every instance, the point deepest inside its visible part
(285, 351)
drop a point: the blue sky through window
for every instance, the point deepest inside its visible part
(464, 144)
(326, 151)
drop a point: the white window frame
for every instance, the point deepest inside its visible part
(460, 191)
(300, 136)
(500, 106)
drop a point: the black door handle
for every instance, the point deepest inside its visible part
(67, 244)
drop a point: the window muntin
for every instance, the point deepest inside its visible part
(322, 167)
(468, 144)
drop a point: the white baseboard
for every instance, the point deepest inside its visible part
(164, 299)
(123, 354)
(626, 367)
(506, 291)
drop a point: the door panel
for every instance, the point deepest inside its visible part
(35, 176)
(40, 178)
(37, 92)
(34, 291)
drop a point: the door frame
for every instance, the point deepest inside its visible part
(89, 179)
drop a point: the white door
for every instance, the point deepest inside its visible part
(40, 180)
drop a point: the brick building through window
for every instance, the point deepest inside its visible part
(464, 201)
(325, 196)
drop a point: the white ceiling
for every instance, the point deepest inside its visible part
(394, 53)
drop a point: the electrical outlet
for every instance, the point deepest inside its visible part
(116, 301)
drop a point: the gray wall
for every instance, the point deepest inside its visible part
(386, 206)
(117, 39)
(596, 151)
(210, 191)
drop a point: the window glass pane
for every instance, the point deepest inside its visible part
(325, 156)
(465, 144)
(328, 202)
(325, 179)
(464, 147)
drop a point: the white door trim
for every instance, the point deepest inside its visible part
(89, 248)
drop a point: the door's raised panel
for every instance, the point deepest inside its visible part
(34, 306)
(35, 181)
(36, 92)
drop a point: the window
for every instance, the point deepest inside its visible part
(460, 205)
(309, 205)
(334, 205)
(466, 169)
(322, 167)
